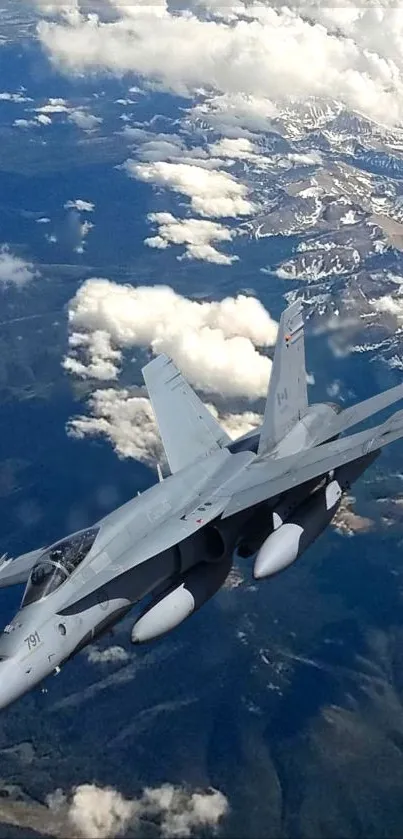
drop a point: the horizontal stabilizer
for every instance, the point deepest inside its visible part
(16, 571)
(265, 479)
(358, 413)
(188, 430)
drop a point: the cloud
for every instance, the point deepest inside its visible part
(43, 119)
(100, 813)
(84, 229)
(103, 813)
(25, 123)
(213, 343)
(14, 270)
(17, 98)
(313, 158)
(80, 116)
(106, 656)
(69, 11)
(211, 193)
(236, 425)
(160, 146)
(239, 148)
(151, 147)
(77, 230)
(80, 205)
(180, 813)
(82, 119)
(389, 305)
(53, 106)
(278, 55)
(128, 423)
(102, 360)
(235, 114)
(195, 234)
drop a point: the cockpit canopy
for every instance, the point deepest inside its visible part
(56, 564)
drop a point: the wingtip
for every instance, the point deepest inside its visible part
(292, 317)
(155, 364)
(294, 308)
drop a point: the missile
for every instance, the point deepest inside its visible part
(176, 604)
(292, 538)
(292, 501)
(297, 524)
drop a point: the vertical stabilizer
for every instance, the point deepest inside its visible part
(188, 430)
(287, 399)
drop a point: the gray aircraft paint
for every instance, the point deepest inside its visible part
(176, 540)
(287, 400)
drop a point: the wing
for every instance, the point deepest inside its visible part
(188, 430)
(15, 571)
(163, 537)
(287, 400)
(199, 505)
(266, 479)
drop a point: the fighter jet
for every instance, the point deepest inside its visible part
(265, 497)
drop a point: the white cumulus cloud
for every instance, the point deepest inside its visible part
(80, 205)
(110, 654)
(182, 813)
(236, 114)
(25, 123)
(237, 148)
(78, 229)
(126, 421)
(196, 234)
(313, 158)
(53, 106)
(215, 344)
(67, 10)
(79, 115)
(389, 305)
(235, 424)
(16, 98)
(350, 54)
(14, 270)
(100, 813)
(101, 359)
(211, 193)
(43, 119)
(103, 813)
(84, 229)
(84, 120)
(151, 147)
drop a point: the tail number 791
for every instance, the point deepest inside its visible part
(32, 640)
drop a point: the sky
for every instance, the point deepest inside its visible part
(246, 49)
(241, 69)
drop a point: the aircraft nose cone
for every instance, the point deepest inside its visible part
(11, 682)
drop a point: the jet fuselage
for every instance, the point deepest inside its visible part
(44, 633)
